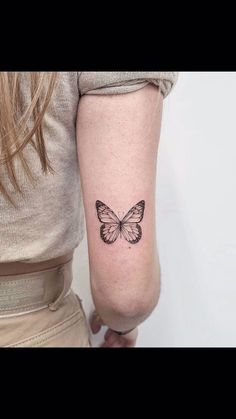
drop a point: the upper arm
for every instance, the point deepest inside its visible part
(117, 143)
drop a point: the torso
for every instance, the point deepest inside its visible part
(14, 268)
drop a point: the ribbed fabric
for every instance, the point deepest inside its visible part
(49, 220)
(124, 82)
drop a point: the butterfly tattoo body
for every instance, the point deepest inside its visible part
(113, 227)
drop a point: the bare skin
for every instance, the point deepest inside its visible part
(111, 338)
(117, 143)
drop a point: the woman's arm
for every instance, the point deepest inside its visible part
(117, 143)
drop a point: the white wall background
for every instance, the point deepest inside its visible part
(196, 218)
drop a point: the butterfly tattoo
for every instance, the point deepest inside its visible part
(112, 226)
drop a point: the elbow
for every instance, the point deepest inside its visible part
(122, 308)
(136, 303)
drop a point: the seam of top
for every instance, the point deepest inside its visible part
(78, 73)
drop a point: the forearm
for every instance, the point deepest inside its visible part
(117, 141)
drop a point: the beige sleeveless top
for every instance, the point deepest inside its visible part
(49, 219)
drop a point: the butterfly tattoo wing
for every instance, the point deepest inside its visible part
(110, 228)
(128, 227)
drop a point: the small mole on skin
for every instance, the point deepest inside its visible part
(129, 247)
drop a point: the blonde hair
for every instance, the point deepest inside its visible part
(21, 124)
